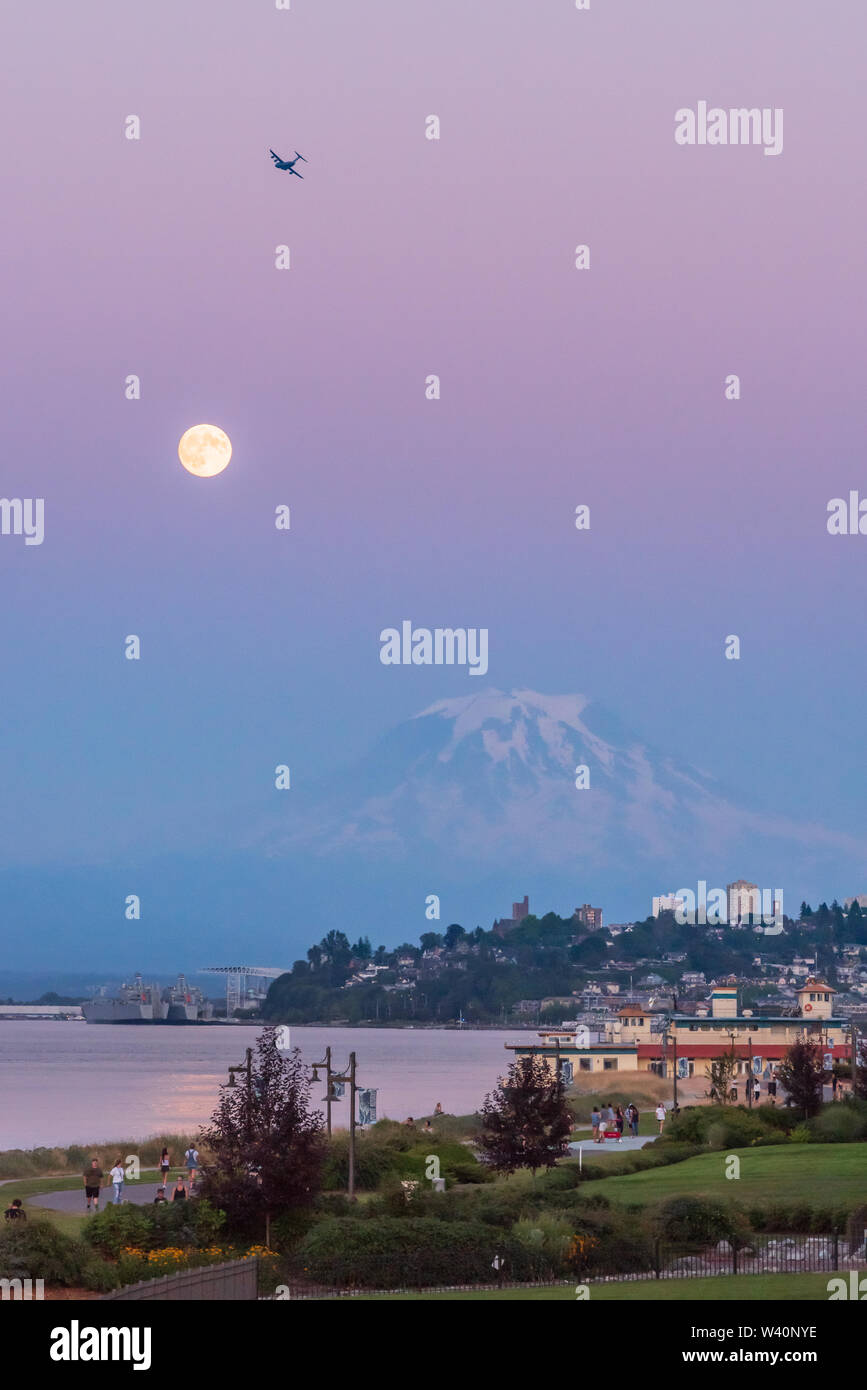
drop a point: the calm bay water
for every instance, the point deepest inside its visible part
(67, 1083)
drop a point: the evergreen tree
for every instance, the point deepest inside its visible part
(802, 1074)
(526, 1121)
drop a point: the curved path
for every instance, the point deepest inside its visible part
(141, 1193)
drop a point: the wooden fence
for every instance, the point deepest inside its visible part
(236, 1280)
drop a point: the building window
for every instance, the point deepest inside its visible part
(609, 1064)
(584, 1064)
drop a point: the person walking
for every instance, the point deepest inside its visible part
(634, 1120)
(619, 1122)
(180, 1192)
(191, 1158)
(92, 1183)
(595, 1120)
(165, 1165)
(117, 1176)
(660, 1116)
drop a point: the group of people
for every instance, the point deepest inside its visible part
(93, 1179)
(428, 1127)
(610, 1121)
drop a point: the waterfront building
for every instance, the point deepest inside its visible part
(642, 1039)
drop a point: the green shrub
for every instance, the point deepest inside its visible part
(38, 1250)
(776, 1117)
(375, 1159)
(392, 1252)
(690, 1126)
(797, 1218)
(547, 1239)
(152, 1227)
(734, 1128)
(842, 1122)
(100, 1277)
(695, 1221)
(205, 1220)
(727, 1126)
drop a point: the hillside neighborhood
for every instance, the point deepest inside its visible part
(534, 970)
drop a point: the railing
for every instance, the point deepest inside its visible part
(236, 1280)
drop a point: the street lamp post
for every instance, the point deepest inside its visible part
(749, 1073)
(246, 1066)
(674, 1066)
(328, 1087)
(350, 1077)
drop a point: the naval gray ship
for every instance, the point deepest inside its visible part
(141, 1003)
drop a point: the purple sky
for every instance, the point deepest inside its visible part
(410, 257)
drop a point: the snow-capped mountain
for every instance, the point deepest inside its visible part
(483, 788)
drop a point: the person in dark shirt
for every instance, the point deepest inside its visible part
(160, 1197)
(180, 1192)
(92, 1183)
(15, 1211)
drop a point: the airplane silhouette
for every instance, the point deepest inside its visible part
(288, 164)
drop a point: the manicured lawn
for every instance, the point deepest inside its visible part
(736, 1288)
(821, 1174)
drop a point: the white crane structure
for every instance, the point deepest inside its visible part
(240, 992)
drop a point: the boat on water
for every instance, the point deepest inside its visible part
(142, 1003)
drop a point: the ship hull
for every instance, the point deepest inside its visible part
(142, 1003)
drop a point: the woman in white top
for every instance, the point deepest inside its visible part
(117, 1177)
(660, 1115)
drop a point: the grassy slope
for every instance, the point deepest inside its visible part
(816, 1173)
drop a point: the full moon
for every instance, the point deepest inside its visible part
(205, 450)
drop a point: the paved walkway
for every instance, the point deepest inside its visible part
(141, 1193)
(627, 1142)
